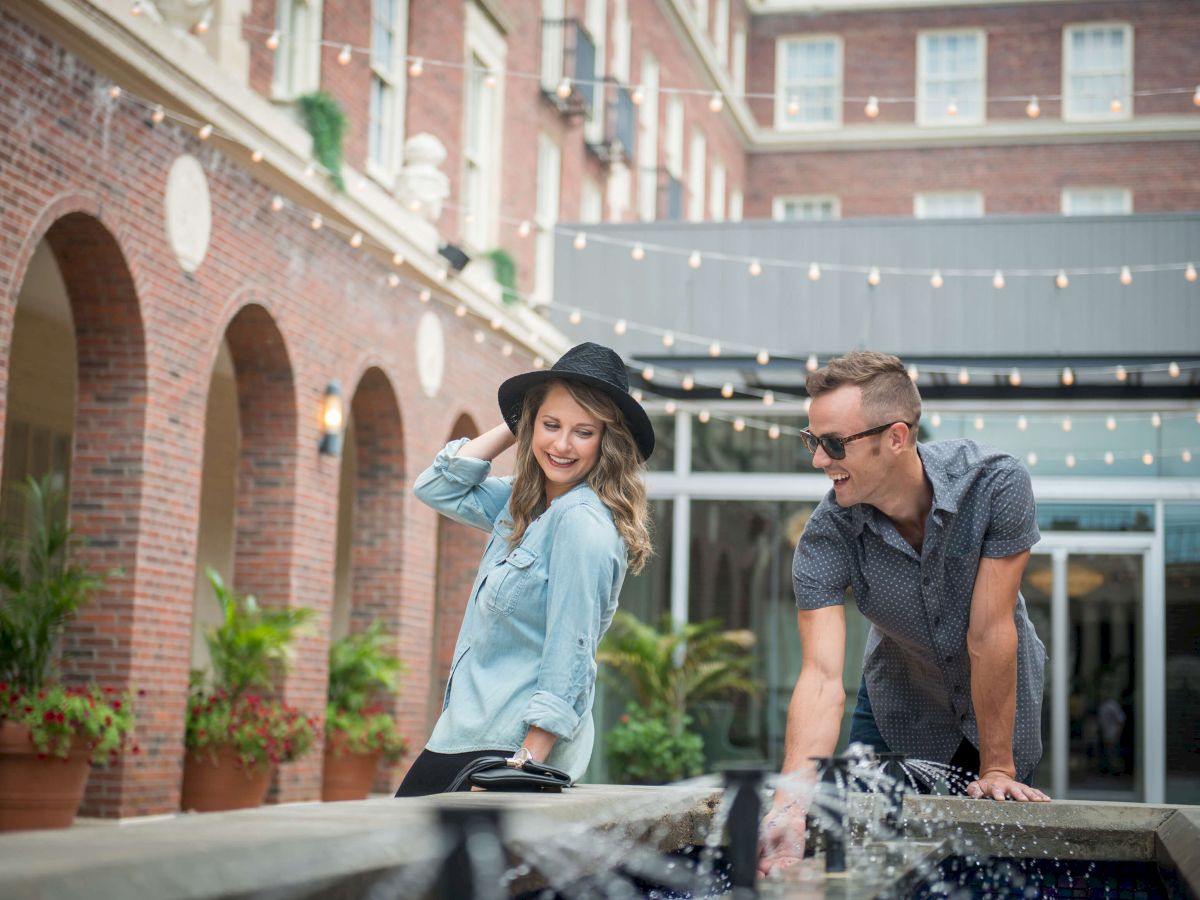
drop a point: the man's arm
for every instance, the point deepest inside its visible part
(813, 723)
(992, 645)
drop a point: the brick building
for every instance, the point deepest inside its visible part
(182, 284)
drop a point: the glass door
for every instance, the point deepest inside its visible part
(1086, 595)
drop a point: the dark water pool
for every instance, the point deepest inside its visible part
(1002, 879)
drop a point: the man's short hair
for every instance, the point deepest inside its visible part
(887, 391)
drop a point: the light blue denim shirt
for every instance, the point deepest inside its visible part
(526, 652)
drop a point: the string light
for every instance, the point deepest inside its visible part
(1032, 109)
(1173, 369)
(539, 363)
(814, 272)
(1014, 377)
(1068, 376)
(1031, 458)
(872, 108)
(727, 390)
(936, 420)
(1022, 423)
(1111, 423)
(1186, 456)
(669, 407)
(1070, 460)
(135, 10)
(1108, 457)
(356, 239)
(768, 398)
(913, 373)
(668, 339)
(524, 228)
(1148, 458)
(763, 357)
(694, 259)
(793, 108)
(620, 326)
(114, 91)
(1115, 106)
(1121, 374)
(648, 373)
(1066, 423)
(715, 102)
(755, 268)
(1190, 272)
(714, 349)
(426, 295)
(812, 363)
(739, 424)
(1196, 96)
(507, 350)
(638, 252)
(316, 222)
(256, 156)
(309, 171)
(393, 280)
(158, 114)
(952, 108)
(580, 241)
(873, 276)
(1126, 276)
(461, 310)
(1156, 420)
(935, 280)
(416, 68)
(344, 55)
(203, 25)
(397, 258)
(489, 80)
(687, 382)
(1061, 280)
(703, 416)
(563, 91)
(575, 317)
(998, 280)
(272, 41)
(479, 336)
(276, 203)
(205, 132)
(964, 377)
(979, 423)
(773, 433)
(638, 95)
(496, 323)
(636, 394)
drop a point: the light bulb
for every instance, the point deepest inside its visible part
(393, 280)
(1121, 374)
(276, 203)
(714, 349)
(316, 222)
(636, 395)
(1066, 423)
(763, 357)
(1108, 457)
(979, 423)
(461, 310)
(524, 228)
(637, 96)
(203, 24)
(1196, 96)
(1031, 458)
(620, 326)
(539, 363)
(668, 339)
(575, 317)
(496, 323)
(1156, 420)
(687, 382)
(114, 91)
(1173, 369)
(648, 373)
(397, 258)
(638, 252)
(479, 336)
(158, 114)
(1070, 460)
(1126, 275)
(489, 80)
(793, 108)
(1022, 423)
(768, 398)
(1111, 423)
(416, 68)
(936, 420)
(205, 133)
(694, 259)
(704, 416)
(812, 363)
(507, 349)
(964, 377)
(872, 107)
(1068, 376)
(356, 239)
(1032, 109)
(1014, 377)
(913, 373)
(425, 296)
(1190, 272)
(739, 424)
(873, 276)
(272, 41)
(1061, 280)
(773, 432)
(309, 171)
(814, 272)
(935, 280)
(998, 280)
(755, 268)
(715, 102)
(344, 55)
(669, 407)
(727, 390)
(580, 241)
(564, 88)
(1148, 458)
(1186, 456)
(952, 108)
(135, 9)
(256, 156)
(1115, 105)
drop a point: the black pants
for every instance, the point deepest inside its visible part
(432, 773)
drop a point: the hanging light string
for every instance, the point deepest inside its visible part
(273, 38)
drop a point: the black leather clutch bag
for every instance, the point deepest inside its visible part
(494, 773)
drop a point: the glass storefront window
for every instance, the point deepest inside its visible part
(663, 457)
(1183, 652)
(1094, 517)
(717, 447)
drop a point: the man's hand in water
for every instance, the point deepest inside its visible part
(998, 785)
(781, 841)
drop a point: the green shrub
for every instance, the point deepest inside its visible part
(644, 749)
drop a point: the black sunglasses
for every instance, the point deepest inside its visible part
(836, 447)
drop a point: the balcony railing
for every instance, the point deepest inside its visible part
(619, 132)
(568, 53)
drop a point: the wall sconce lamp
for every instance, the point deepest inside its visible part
(332, 417)
(455, 255)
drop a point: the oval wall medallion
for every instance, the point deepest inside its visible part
(189, 212)
(431, 354)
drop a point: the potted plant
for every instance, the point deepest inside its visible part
(238, 731)
(49, 733)
(667, 669)
(359, 730)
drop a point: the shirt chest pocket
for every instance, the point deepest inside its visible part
(509, 579)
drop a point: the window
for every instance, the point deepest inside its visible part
(808, 82)
(738, 63)
(596, 20)
(951, 68)
(1096, 201)
(716, 192)
(385, 126)
(591, 205)
(811, 208)
(546, 217)
(721, 31)
(735, 205)
(695, 182)
(948, 205)
(675, 136)
(621, 41)
(483, 131)
(298, 57)
(553, 31)
(1097, 72)
(647, 141)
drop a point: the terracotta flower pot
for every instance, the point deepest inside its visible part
(39, 793)
(216, 780)
(347, 776)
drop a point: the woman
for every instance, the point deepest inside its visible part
(564, 530)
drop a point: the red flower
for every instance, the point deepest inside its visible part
(136, 750)
(108, 690)
(116, 704)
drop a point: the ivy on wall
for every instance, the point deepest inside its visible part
(505, 270)
(326, 122)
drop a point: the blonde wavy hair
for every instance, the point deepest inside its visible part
(616, 477)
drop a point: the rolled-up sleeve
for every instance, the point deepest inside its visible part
(1012, 519)
(459, 488)
(587, 565)
(821, 566)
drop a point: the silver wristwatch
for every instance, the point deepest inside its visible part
(518, 759)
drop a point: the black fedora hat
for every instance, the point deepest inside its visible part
(590, 364)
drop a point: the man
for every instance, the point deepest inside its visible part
(933, 539)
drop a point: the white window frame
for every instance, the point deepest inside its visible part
(622, 41)
(735, 205)
(737, 62)
(700, 7)
(928, 116)
(484, 43)
(720, 31)
(647, 142)
(596, 22)
(1126, 96)
(297, 63)
(697, 170)
(545, 216)
(924, 204)
(1070, 190)
(674, 137)
(716, 192)
(552, 39)
(591, 202)
(383, 164)
(783, 122)
(779, 206)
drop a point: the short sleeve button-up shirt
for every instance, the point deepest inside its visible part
(916, 667)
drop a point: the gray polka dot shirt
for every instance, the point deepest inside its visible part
(917, 670)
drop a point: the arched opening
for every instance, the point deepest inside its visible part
(75, 411)
(459, 549)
